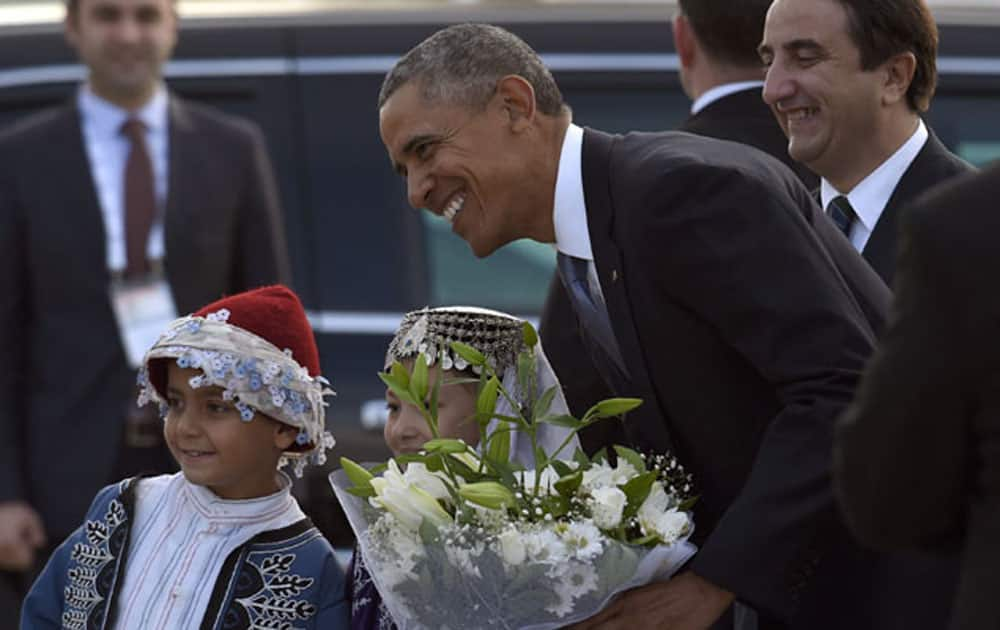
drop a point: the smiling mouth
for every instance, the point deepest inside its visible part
(196, 454)
(454, 207)
(801, 114)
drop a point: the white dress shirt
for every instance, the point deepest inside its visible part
(721, 91)
(870, 196)
(181, 536)
(107, 150)
(569, 213)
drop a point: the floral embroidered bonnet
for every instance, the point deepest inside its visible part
(259, 348)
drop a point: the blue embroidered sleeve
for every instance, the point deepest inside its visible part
(44, 607)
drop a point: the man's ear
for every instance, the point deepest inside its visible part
(517, 99)
(284, 435)
(685, 41)
(70, 26)
(898, 75)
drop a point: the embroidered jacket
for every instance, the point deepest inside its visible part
(285, 579)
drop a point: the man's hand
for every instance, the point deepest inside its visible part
(21, 533)
(685, 602)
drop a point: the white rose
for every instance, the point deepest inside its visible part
(604, 476)
(512, 547)
(656, 518)
(607, 505)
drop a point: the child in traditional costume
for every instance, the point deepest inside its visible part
(223, 543)
(430, 333)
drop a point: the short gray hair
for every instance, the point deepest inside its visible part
(462, 65)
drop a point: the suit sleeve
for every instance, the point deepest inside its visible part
(733, 248)
(263, 255)
(902, 448)
(13, 310)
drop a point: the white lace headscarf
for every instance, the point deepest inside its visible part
(498, 336)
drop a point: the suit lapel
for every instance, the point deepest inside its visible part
(647, 426)
(76, 190)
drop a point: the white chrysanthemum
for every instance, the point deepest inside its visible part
(604, 476)
(544, 545)
(607, 505)
(571, 581)
(582, 538)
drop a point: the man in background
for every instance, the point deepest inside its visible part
(848, 81)
(120, 208)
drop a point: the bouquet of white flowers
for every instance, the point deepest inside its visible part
(466, 538)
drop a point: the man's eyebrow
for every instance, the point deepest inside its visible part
(411, 146)
(804, 45)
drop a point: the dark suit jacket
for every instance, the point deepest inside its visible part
(745, 319)
(918, 454)
(65, 382)
(933, 165)
(744, 117)
(741, 117)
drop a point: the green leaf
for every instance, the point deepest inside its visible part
(611, 407)
(562, 420)
(488, 494)
(505, 471)
(429, 533)
(686, 505)
(462, 469)
(356, 473)
(418, 379)
(398, 387)
(467, 352)
(526, 373)
(544, 402)
(568, 485)
(562, 468)
(445, 445)
(364, 493)
(631, 457)
(529, 335)
(636, 490)
(436, 390)
(487, 401)
(600, 457)
(400, 373)
(650, 539)
(581, 458)
(557, 505)
(498, 445)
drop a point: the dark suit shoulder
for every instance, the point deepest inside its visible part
(960, 214)
(205, 119)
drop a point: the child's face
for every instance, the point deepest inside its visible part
(214, 447)
(406, 430)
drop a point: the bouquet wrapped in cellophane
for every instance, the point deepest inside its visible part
(457, 537)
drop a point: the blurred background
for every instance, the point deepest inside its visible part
(308, 72)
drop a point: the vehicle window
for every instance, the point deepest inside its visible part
(968, 124)
(515, 279)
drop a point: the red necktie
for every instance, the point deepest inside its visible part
(140, 199)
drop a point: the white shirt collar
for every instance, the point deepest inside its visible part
(870, 196)
(106, 118)
(569, 210)
(210, 506)
(720, 91)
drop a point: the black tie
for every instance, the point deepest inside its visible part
(593, 315)
(140, 198)
(842, 213)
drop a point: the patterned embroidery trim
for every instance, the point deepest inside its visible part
(274, 605)
(82, 594)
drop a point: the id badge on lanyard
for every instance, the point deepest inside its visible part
(143, 308)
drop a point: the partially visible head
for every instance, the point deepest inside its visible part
(253, 354)
(462, 116)
(429, 333)
(214, 446)
(725, 33)
(841, 71)
(124, 44)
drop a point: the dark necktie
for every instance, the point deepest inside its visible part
(842, 213)
(140, 198)
(592, 313)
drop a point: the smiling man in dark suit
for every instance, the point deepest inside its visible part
(123, 181)
(711, 287)
(848, 81)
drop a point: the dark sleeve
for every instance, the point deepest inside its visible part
(13, 311)
(733, 248)
(263, 255)
(902, 448)
(335, 608)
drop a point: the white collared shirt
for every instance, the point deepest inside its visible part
(870, 196)
(721, 91)
(181, 536)
(108, 149)
(569, 209)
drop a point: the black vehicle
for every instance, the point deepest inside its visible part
(361, 258)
